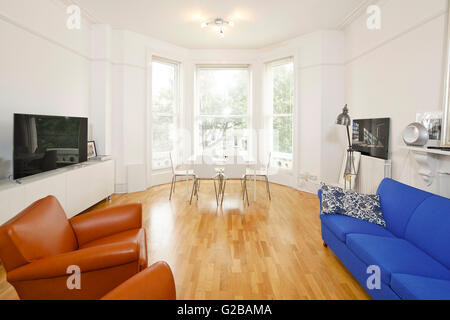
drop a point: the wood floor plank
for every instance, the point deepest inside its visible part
(269, 250)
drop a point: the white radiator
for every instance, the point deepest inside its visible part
(371, 172)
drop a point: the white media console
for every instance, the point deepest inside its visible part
(77, 188)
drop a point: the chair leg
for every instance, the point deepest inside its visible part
(223, 191)
(268, 188)
(215, 192)
(197, 188)
(246, 193)
(193, 188)
(171, 188)
(174, 183)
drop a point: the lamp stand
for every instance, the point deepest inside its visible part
(350, 169)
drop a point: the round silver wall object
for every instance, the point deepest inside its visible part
(416, 135)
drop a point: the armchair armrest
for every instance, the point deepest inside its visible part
(154, 283)
(102, 223)
(88, 259)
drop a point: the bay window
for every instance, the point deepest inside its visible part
(222, 124)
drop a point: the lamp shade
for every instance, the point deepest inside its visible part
(344, 119)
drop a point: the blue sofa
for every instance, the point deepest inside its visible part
(412, 253)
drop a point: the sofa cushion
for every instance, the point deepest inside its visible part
(429, 228)
(341, 226)
(332, 200)
(395, 255)
(364, 207)
(410, 287)
(398, 203)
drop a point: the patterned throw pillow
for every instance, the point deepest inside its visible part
(360, 206)
(332, 200)
(364, 207)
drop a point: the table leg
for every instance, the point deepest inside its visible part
(187, 186)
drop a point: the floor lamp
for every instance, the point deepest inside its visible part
(344, 120)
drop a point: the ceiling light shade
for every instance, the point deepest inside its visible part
(204, 25)
(231, 23)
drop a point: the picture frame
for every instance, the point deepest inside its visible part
(432, 121)
(91, 150)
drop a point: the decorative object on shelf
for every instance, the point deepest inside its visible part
(220, 24)
(92, 150)
(416, 135)
(432, 121)
(350, 171)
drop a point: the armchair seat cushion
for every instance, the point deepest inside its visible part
(410, 287)
(135, 236)
(342, 226)
(395, 255)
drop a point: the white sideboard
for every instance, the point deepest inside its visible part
(77, 188)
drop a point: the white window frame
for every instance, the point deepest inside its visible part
(174, 114)
(270, 115)
(198, 117)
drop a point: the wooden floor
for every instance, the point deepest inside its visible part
(270, 250)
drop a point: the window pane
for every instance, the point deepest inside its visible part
(163, 133)
(282, 134)
(283, 88)
(223, 91)
(163, 137)
(219, 136)
(163, 84)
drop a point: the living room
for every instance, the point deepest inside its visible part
(175, 150)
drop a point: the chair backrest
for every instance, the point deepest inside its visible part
(40, 231)
(236, 169)
(204, 168)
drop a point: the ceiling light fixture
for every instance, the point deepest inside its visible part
(220, 24)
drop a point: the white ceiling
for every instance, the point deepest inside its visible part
(259, 23)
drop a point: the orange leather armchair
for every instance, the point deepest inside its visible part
(39, 244)
(154, 283)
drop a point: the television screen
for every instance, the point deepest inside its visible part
(44, 143)
(371, 137)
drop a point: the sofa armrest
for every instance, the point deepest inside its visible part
(154, 283)
(102, 223)
(89, 259)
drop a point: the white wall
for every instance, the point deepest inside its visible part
(44, 67)
(396, 72)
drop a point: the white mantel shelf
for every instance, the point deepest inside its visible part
(428, 161)
(431, 151)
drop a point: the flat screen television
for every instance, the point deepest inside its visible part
(371, 137)
(45, 143)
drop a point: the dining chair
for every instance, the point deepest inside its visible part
(189, 174)
(235, 171)
(204, 169)
(264, 173)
